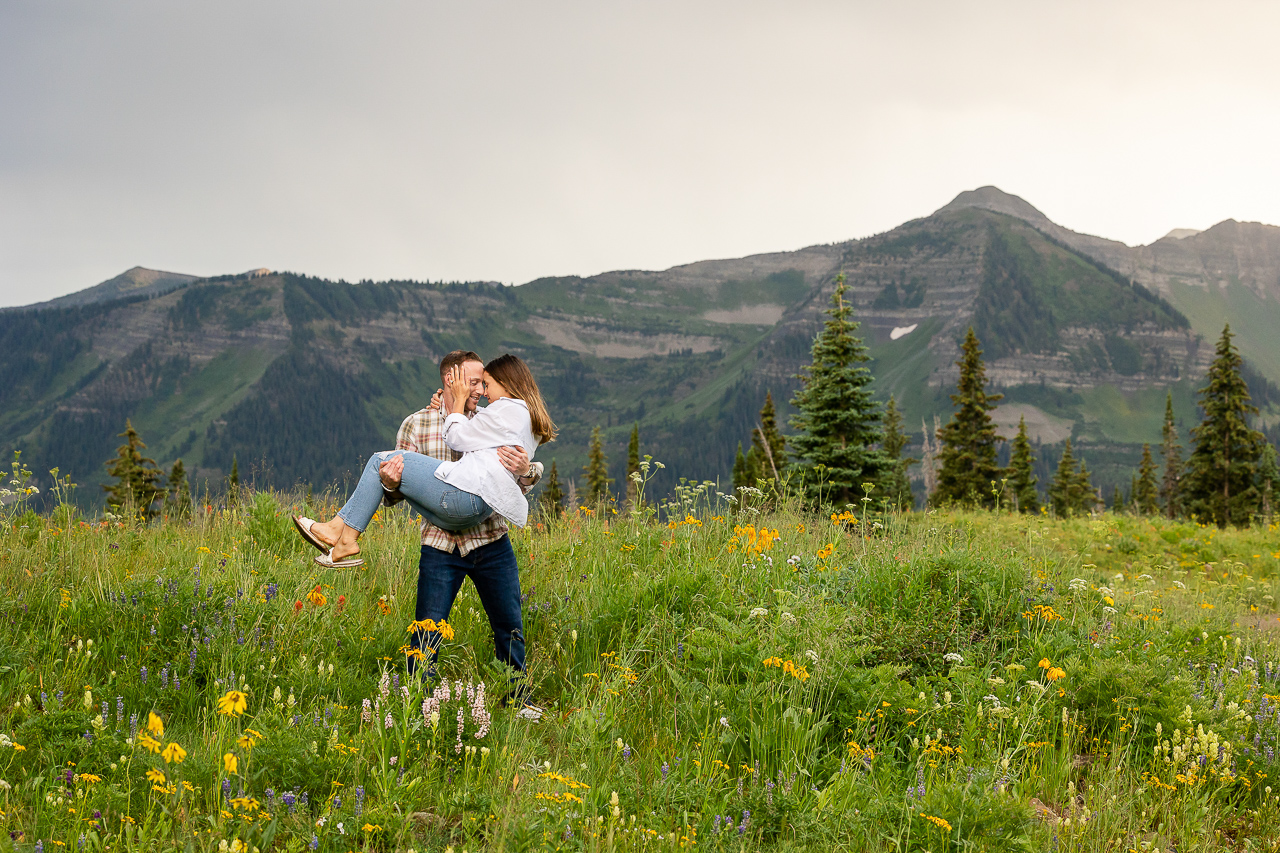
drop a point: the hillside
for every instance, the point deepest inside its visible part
(299, 378)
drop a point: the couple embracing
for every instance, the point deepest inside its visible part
(466, 470)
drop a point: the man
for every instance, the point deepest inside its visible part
(482, 553)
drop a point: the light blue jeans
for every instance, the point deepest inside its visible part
(441, 504)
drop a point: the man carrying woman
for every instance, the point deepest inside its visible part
(485, 474)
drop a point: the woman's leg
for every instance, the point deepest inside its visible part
(342, 531)
(441, 504)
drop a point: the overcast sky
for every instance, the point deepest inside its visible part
(511, 140)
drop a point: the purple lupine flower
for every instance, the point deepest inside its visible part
(226, 788)
(271, 796)
(164, 677)
(680, 650)
(88, 736)
(768, 790)
(176, 683)
(315, 842)
(302, 798)
(337, 803)
(289, 800)
(746, 818)
(80, 843)
(271, 591)
(39, 847)
(44, 697)
(715, 826)
(359, 800)
(568, 833)
(133, 724)
(665, 771)
(626, 751)
(60, 694)
(143, 674)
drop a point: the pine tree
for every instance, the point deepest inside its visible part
(551, 503)
(1022, 476)
(1222, 470)
(233, 483)
(179, 491)
(1061, 497)
(968, 441)
(769, 444)
(897, 485)
(740, 475)
(138, 479)
(1083, 494)
(633, 464)
(1171, 450)
(597, 470)
(1146, 497)
(1117, 499)
(1269, 474)
(837, 419)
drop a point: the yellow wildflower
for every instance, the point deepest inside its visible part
(233, 703)
(154, 775)
(154, 724)
(173, 753)
(151, 744)
(230, 762)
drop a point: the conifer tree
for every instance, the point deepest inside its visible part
(1269, 473)
(769, 444)
(897, 485)
(1083, 494)
(837, 420)
(551, 503)
(179, 491)
(968, 441)
(1133, 493)
(1222, 470)
(597, 470)
(633, 464)
(1171, 450)
(740, 477)
(1062, 498)
(1117, 499)
(1146, 497)
(233, 483)
(1022, 476)
(138, 480)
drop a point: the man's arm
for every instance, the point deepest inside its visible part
(390, 470)
(515, 460)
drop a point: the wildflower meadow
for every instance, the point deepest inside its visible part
(712, 675)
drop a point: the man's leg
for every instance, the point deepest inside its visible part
(440, 576)
(494, 571)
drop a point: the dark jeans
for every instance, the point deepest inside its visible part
(493, 569)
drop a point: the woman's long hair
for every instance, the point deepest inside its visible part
(515, 376)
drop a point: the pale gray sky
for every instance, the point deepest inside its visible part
(511, 140)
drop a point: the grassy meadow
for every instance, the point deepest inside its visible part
(713, 677)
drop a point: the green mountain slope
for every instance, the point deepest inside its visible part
(299, 378)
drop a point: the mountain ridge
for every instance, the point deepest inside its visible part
(211, 369)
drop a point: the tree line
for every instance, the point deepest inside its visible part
(847, 448)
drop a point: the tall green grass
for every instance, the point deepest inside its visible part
(912, 682)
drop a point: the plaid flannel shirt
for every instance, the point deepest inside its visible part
(423, 432)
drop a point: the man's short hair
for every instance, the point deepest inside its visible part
(458, 356)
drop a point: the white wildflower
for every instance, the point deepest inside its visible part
(759, 613)
(1078, 585)
(787, 618)
(953, 657)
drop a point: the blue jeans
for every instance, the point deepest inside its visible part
(440, 503)
(494, 571)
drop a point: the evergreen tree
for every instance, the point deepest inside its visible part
(1083, 494)
(633, 464)
(1171, 450)
(551, 503)
(1222, 470)
(1061, 492)
(233, 483)
(1117, 499)
(1269, 473)
(968, 441)
(179, 491)
(897, 484)
(1146, 497)
(597, 470)
(1022, 472)
(837, 420)
(769, 444)
(138, 480)
(740, 470)
(1133, 494)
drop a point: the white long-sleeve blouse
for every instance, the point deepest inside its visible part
(479, 471)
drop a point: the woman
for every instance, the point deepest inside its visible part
(451, 495)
